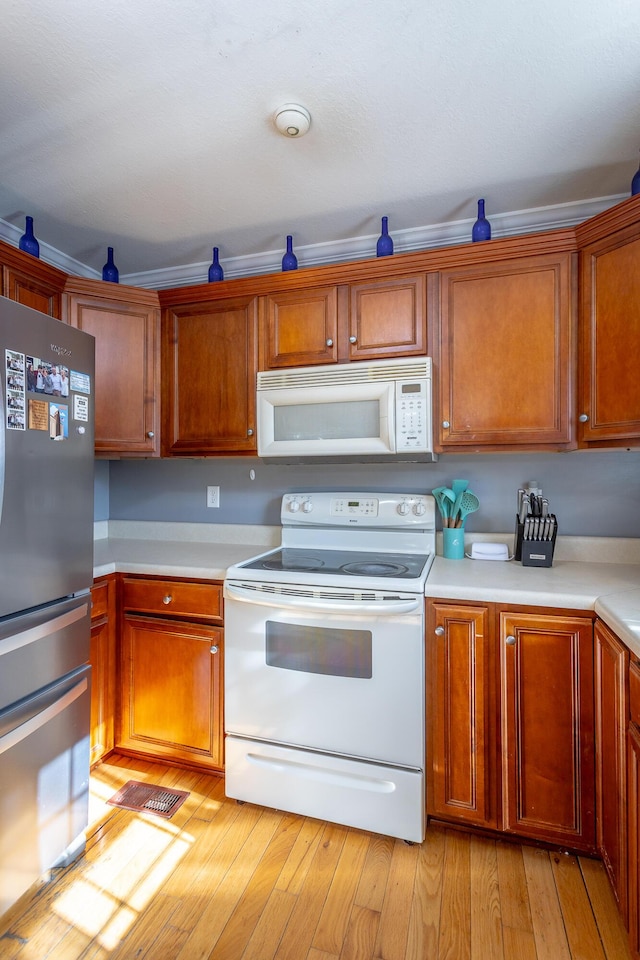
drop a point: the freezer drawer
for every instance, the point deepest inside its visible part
(369, 796)
(44, 772)
(42, 645)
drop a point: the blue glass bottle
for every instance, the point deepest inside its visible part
(27, 241)
(110, 271)
(384, 247)
(635, 183)
(215, 270)
(289, 261)
(481, 228)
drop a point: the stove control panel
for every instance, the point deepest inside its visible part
(359, 509)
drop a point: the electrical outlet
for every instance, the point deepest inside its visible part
(213, 496)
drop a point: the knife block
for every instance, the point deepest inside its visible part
(533, 553)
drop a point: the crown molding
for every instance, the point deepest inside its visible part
(515, 223)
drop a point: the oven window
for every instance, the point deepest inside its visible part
(333, 652)
(335, 420)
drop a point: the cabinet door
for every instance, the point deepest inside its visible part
(171, 694)
(209, 363)
(387, 318)
(610, 340)
(300, 327)
(633, 823)
(611, 723)
(547, 728)
(33, 291)
(127, 382)
(461, 713)
(506, 354)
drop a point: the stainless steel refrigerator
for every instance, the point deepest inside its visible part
(46, 569)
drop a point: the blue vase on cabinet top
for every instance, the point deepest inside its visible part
(27, 241)
(635, 183)
(215, 270)
(384, 247)
(289, 261)
(110, 271)
(481, 228)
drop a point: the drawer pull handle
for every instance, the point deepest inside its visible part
(439, 631)
(167, 599)
(353, 339)
(510, 640)
(214, 648)
(329, 342)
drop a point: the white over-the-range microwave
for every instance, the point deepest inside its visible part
(349, 412)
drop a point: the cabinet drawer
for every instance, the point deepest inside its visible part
(634, 691)
(99, 600)
(173, 598)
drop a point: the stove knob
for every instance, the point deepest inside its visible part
(419, 509)
(307, 506)
(294, 506)
(403, 508)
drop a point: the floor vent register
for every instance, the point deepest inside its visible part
(148, 798)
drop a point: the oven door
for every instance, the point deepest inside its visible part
(332, 672)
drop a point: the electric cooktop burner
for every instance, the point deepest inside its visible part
(353, 563)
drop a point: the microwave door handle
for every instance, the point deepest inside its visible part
(282, 601)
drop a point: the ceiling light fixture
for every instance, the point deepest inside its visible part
(292, 120)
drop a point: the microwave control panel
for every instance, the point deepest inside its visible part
(413, 418)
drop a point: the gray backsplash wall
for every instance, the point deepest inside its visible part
(593, 493)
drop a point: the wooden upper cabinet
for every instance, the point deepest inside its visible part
(506, 354)
(361, 320)
(547, 728)
(209, 375)
(125, 322)
(299, 327)
(609, 401)
(31, 282)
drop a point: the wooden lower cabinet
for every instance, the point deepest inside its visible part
(171, 671)
(633, 847)
(103, 667)
(611, 664)
(461, 734)
(510, 721)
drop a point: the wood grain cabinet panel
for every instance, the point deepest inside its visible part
(611, 660)
(361, 320)
(171, 690)
(103, 668)
(126, 327)
(461, 714)
(609, 405)
(547, 728)
(510, 721)
(506, 354)
(633, 824)
(209, 380)
(300, 327)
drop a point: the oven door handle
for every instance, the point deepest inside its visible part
(282, 601)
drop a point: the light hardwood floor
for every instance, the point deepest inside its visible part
(228, 881)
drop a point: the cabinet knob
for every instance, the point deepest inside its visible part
(249, 432)
(353, 339)
(510, 640)
(167, 599)
(439, 631)
(329, 342)
(150, 434)
(583, 418)
(446, 424)
(214, 648)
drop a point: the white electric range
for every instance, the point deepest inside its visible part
(324, 662)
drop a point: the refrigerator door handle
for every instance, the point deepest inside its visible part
(24, 730)
(43, 625)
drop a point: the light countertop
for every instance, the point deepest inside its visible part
(581, 582)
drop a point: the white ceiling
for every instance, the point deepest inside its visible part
(146, 125)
